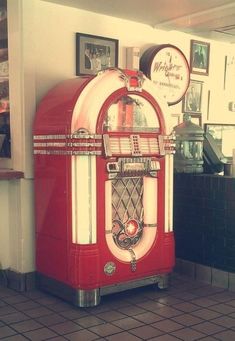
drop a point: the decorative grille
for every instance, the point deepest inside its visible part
(127, 199)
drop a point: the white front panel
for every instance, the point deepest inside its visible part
(169, 193)
(84, 199)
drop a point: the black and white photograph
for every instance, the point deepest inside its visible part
(94, 53)
(193, 97)
(199, 57)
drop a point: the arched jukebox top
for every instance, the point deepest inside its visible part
(114, 103)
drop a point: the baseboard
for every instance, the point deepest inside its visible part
(18, 281)
(206, 274)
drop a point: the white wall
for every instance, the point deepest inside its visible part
(42, 53)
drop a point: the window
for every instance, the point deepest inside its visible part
(131, 113)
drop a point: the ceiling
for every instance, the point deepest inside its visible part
(211, 19)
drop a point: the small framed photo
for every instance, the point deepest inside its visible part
(199, 57)
(193, 98)
(196, 119)
(95, 53)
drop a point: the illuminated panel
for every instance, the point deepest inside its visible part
(125, 145)
(169, 193)
(84, 199)
(149, 145)
(120, 145)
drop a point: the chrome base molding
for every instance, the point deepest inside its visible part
(90, 298)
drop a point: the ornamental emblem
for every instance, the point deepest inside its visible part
(126, 235)
(109, 268)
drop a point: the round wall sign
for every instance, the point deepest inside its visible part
(168, 68)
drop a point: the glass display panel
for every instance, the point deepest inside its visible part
(131, 113)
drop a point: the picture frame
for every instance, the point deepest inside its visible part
(199, 57)
(193, 97)
(223, 134)
(95, 53)
(196, 119)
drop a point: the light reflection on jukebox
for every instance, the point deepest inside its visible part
(103, 187)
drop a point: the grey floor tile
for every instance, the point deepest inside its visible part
(38, 312)
(225, 321)
(106, 329)
(187, 319)
(40, 334)
(206, 314)
(73, 314)
(204, 302)
(168, 312)
(5, 310)
(188, 334)
(148, 317)
(51, 319)
(15, 299)
(127, 323)
(223, 308)
(167, 325)
(27, 305)
(17, 337)
(89, 321)
(227, 335)
(165, 337)
(224, 296)
(169, 300)
(208, 328)
(65, 327)
(186, 307)
(150, 305)
(17, 316)
(26, 326)
(125, 336)
(6, 331)
(132, 310)
(146, 332)
(83, 335)
(111, 316)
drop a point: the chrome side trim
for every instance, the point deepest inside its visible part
(87, 298)
(161, 280)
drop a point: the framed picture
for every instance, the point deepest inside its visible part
(223, 135)
(199, 57)
(196, 119)
(193, 98)
(94, 53)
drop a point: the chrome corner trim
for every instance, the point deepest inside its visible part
(87, 298)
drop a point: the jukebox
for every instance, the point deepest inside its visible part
(103, 187)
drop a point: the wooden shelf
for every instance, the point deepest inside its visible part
(10, 174)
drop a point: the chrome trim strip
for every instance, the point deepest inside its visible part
(50, 144)
(83, 144)
(50, 137)
(63, 136)
(67, 152)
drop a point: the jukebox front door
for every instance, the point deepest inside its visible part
(131, 189)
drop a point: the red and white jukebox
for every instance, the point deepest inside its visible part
(103, 187)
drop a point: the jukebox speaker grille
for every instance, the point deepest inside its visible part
(127, 199)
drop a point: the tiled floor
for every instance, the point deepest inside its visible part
(188, 310)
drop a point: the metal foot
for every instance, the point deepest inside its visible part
(163, 281)
(87, 298)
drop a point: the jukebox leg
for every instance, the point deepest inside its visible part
(87, 298)
(163, 281)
